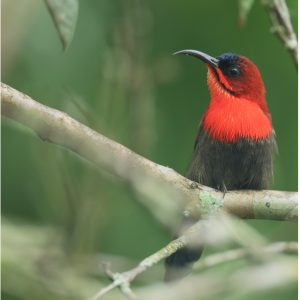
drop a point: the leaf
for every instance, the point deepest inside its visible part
(64, 15)
(244, 9)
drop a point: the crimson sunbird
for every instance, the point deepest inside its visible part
(235, 141)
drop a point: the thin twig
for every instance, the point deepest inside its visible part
(231, 255)
(125, 278)
(200, 233)
(248, 280)
(282, 26)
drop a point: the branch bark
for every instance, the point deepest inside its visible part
(164, 192)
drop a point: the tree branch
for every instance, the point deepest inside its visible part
(165, 192)
(282, 26)
(218, 230)
(244, 281)
(235, 254)
(124, 279)
(42, 261)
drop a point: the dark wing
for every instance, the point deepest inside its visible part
(196, 169)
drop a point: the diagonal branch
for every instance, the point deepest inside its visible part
(164, 192)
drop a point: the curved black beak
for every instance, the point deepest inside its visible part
(214, 62)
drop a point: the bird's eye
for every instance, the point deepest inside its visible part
(233, 72)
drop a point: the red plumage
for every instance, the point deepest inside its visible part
(237, 107)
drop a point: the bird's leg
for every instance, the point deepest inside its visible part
(223, 189)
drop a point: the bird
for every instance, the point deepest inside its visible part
(235, 143)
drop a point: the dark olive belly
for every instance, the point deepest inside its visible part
(244, 164)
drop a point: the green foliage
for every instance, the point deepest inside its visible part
(244, 9)
(64, 15)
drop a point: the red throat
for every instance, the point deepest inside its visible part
(230, 117)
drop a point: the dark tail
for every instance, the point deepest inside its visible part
(179, 264)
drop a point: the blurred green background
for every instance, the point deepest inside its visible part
(119, 77)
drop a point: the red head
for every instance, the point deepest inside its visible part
(237, 107)
(239, 77)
